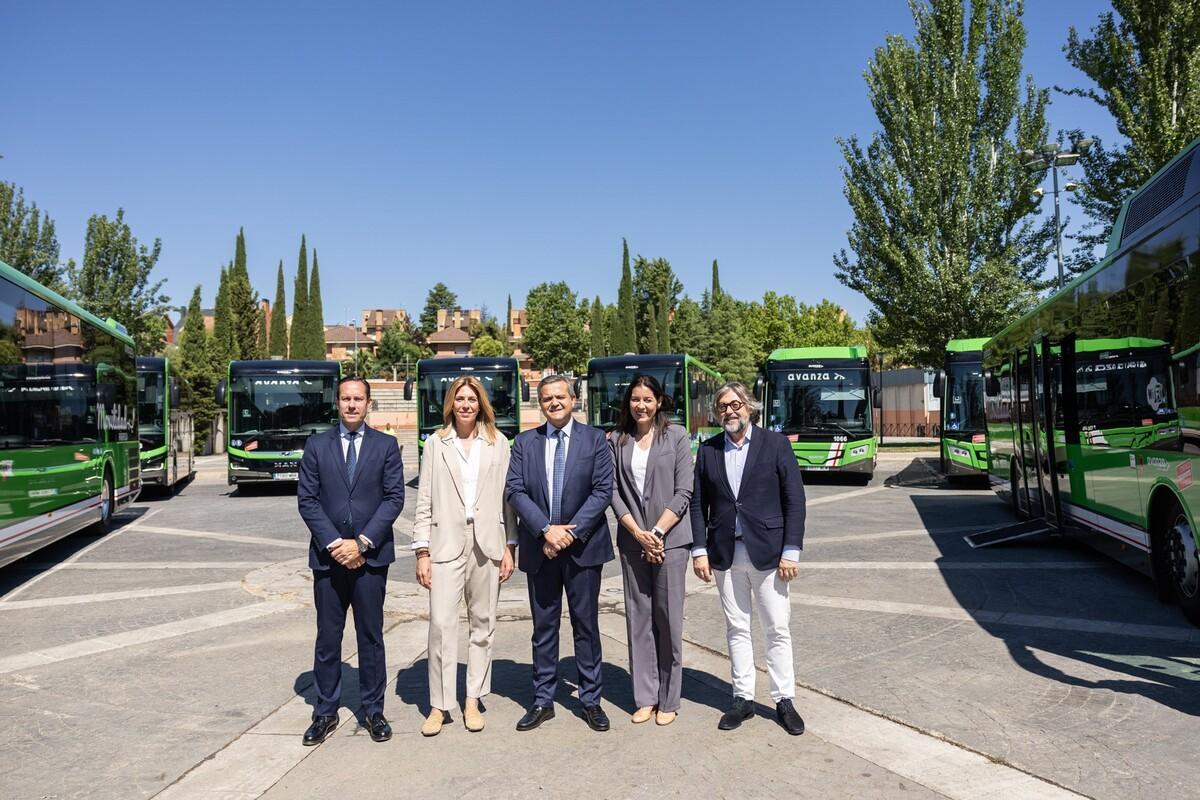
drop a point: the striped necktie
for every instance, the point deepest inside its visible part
(351, 457)
(560, 474)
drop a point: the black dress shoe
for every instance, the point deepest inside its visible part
(597, 720)
(788, 717)
(534, 717)
(320, 729)
(741, 710)
(377, 724)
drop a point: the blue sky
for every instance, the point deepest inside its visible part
(490, 145)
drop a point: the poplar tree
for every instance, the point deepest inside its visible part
(28, 242)
(1144, 65)
(315, 314)
(279, 328)
(297, 346)
(945, 242)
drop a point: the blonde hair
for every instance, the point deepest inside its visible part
(485, 423)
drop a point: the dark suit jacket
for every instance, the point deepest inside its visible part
(668, 485)
(770, 500)
(585, 497)
(333, 509)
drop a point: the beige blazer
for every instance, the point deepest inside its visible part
(441, 516)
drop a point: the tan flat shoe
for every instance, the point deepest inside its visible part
(473, 719)
(643, 714)
(665, 717)
(434, 722)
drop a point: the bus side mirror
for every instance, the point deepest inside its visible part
(174, 399)
(759, 383)
(220, 393)
(938, 379)
(408, 388)
(877, 399)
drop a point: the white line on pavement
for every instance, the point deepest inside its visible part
(952, 565)
(858, 537)
(143, 565)
(34, 580)
(131, 594)
(1000, 617)
(833, 498)
(228, 537)
(154, 633)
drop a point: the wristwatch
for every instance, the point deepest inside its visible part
(657, 531)
(546, 529)
(363, 544)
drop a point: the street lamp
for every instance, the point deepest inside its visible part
(1051, 157)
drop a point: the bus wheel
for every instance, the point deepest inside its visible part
(108, 504)
(1184, 560)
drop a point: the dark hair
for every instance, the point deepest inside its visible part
(353, 379)
(626, 423)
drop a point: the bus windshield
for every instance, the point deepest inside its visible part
(829, 400)
(1123, 389)
(47, 404)
(606, 390)
(964, 397)
(276, 406)
(150, 410)
(500, 385)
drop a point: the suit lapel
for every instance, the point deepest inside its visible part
(756, 445)
(724, 473)
(626, 452)
(573, 448)
(538, 462)
(335, 442)
(453, 463)
(358, 454)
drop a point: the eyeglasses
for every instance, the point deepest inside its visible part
(732, 405)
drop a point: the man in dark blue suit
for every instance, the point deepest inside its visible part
(560, 483)
(748, 527)
(351, 491)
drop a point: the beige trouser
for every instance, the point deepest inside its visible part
(478, 578)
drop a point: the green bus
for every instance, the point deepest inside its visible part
(500, 376)
(68, 417)
(822, 399)
(690, 383)
(959, 386)
(1085, 394)
(272, 408)
(164, 429)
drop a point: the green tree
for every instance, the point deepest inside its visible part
(243, 303)
(485, 346)
(315, 314)
(197, 370)
(224, 342)
(28, 243)
(597, 330)
(944, 241)
(651, 338)
(726, 344)
(1144, 66)
(623, 335)
(555, 336)
(397, 348)
(687, 329)
(114, 281)
(438, 297)
(361, 362)
(264, 336)
(279, 328)
(715, 289)
(508, 320)
(654, 285)
(663, 317)
(297, 344)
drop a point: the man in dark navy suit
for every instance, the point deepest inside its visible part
(560, 483)
(748, 527)
(351, 491)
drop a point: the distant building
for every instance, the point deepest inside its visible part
(341, 342)
(518, 320)
(458, 318)
(450, 342)
(377, 320)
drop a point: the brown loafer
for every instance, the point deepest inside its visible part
(434, 722)
(665, 717)
(473, 718)
(643, 714)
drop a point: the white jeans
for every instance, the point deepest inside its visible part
(743, 588)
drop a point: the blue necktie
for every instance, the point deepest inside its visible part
(351, 457)
(560, 474)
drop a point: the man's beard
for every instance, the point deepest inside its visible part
(736, 426)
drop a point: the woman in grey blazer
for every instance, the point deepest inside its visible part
(651, 491)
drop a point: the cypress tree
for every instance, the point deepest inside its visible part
(624, 337)
(598, 332)
(508, 318)
(224, 344)
(664, 325)
(652, 332)
(297, 346)
(264, 337)
(243, 303)
(196, 368)
(716, 280)
(316, 314)
(279, 331)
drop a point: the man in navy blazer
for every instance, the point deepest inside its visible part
(560, 479)
(351, 491)
(748, 526)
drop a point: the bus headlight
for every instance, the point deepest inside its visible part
(860, 451)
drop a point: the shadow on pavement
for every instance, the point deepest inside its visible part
(1159, 669)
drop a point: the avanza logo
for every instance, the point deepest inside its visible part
(116, 418)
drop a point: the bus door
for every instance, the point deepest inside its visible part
(1042, 406)
(1028, 498)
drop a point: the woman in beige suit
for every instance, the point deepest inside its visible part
(462, 542)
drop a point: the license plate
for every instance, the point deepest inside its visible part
(286, 476)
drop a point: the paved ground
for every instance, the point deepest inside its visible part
(172, 658)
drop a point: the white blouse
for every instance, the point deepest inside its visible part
(469, 468)
(640, 459)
